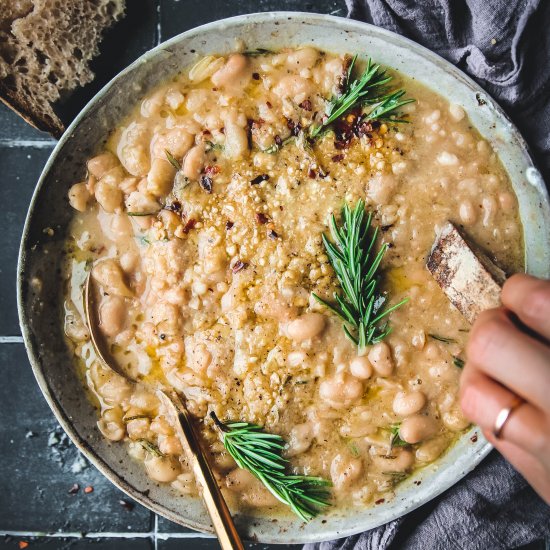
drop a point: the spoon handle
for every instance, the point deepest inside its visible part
(213, 499)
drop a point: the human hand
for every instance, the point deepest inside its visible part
(509, 356)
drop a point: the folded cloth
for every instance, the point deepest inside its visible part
(505, 46)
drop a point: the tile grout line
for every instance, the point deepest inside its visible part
(31, 143)
(158, 32)
(106, 535)
(11, 340)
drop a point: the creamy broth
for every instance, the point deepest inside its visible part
(206, 273)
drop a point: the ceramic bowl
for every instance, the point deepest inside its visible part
(39, 275)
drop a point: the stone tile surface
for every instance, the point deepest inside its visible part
(40, 465)
(20, 168)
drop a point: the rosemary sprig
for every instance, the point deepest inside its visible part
(260, 453)
(356, 266)
(368, 91)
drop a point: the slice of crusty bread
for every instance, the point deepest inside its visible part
(45, 48)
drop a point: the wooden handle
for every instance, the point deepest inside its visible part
(211, 494)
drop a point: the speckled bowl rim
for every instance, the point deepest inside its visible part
(327, 532)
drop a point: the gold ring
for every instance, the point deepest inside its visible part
(504, 415)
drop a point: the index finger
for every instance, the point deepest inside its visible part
(529, 298)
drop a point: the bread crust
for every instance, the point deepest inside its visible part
(45, 50)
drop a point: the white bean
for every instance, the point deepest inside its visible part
(303, 58)
(193, 162)
(99, 165)
(400, 460)
(300, 439)
(467, 212)
(344, 470)
(447, 159)
(381, 187)
(133, 149)
(456, 112)
(430, 450)
(407, 403)
(361, 368)
(417, 428)
(341, 390)
(381, 359)
(233, 73)
(454, 420)
(108, 196)
(111, 424)
(162, 468)
(112, 315)
(79, 196)
(142, 202)
(306, 326)
(160, 178)
(110, 276)
(236, 141)
(138, 428)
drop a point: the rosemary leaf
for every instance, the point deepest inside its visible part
(136, 417)
(395, 440)
(356, 265)
(260, 453)
(150, 447)
(172, 160)
(139, 214)
(443, 339)
(258, 51)
(458, 362)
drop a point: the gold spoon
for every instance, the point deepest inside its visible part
(181, 419)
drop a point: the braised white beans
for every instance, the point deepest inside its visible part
(202, 217)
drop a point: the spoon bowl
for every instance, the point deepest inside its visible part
(180, 419)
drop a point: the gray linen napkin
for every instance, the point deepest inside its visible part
(505, 46)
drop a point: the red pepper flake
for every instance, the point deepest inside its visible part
(268, 104)
(88, 489)
(212, 170)
(74, 489)
(256, 76)
(338, 158)
(126, 504)
(239, 266)
(258, 179)
(261, 218)
(189, 225)
(312, 173)
(473, 439)
(206, 183)
(23, 544)
(294, 127)
(380, 501)
(174, 206)
(272, 234)
(306, 105)
(229, 224)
